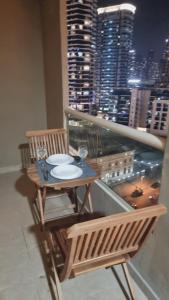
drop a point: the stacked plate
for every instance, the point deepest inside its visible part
(59, 159)
(63, 170)
(66, 172)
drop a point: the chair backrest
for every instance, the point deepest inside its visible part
(53, 140)
(109, 237)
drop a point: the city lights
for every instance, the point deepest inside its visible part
(115, 8)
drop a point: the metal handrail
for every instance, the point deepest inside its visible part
(134, 134)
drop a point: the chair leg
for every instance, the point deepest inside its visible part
(57, 284)
(128, 280)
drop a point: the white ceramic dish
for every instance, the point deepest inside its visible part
(59, 159)
(66, 172)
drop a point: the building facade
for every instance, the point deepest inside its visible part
(132, 65)
(116, 167)
(81, 25)
(114, 41)
(164, 66)
(118, 108)
(149, 110)
(160, 117)
(139, 108)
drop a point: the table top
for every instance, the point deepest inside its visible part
(33, 175)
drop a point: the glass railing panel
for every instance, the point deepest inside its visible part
(130, 168)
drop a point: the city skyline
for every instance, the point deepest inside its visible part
(151, 24)
(108, 76)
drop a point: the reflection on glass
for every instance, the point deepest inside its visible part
(41, 152)
(83, 152)
(126, 165)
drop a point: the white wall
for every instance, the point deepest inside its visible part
(22, 94)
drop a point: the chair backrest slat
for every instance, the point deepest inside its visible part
(78, 248)
(147, 226)
(125, 236)
(105, 241)
(119, 234)
(92, 244)
(53, 140)
(86, 246)
(100, 240)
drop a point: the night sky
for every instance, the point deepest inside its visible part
(151, 23)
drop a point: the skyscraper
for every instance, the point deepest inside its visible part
(81, 25)
(140, 67)
(132, 65)
(151, 69)
(114, 41)
(164, 66)
(149, 65)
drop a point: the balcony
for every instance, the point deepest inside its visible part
(34, 93)
(128, 162)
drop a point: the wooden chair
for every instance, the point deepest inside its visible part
(100, 243)
(53, 141)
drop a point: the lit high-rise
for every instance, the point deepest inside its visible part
(114, 43)
(81, 24)
(164, 76)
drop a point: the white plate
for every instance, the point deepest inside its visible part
(66, 172)
(59, 159)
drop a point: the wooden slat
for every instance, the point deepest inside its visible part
(121, 218)
(54, 140)
(120, 236)
(142, 231)
(125, 235)
(114, 246)
(94, 238)
(135, 227)
(112, 238)
(78, 248)
(99, 242)
(103, 247)
(86, 246)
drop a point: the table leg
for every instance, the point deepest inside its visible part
(90, 202)
(87, 197)
(41, 202)
(75, 199)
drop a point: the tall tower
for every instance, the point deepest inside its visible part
(132, 65)
(114, 41)
(149, 65)
(81, 25)
(164, 66)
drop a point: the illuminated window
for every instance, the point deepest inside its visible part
(81, 27)
(87, 37)
(86, 84)
(86, 93)
(87, 22)
(86, 68)
(73, 76)
(73, 27)
(87, 59)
